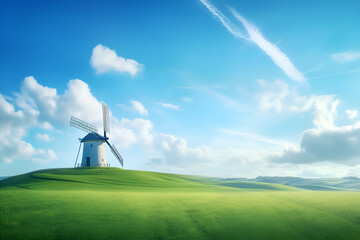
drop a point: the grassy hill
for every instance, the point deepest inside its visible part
(111, 203)
(118, 179)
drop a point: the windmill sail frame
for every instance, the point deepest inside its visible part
(82, 125)
(106, 120)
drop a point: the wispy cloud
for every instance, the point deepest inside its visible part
(278, 57)
(345, 56)
(227, 101)
(186, 99)
(170, 106)
(335, 74)
(258, 138)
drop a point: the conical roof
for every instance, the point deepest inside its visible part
(93, 137)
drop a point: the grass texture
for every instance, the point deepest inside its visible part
(111, 203)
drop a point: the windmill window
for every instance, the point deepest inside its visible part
(102, 159)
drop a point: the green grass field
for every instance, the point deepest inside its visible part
(110, 203)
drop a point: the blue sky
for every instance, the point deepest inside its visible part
(233, 89)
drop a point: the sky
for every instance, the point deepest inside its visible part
(213, 88)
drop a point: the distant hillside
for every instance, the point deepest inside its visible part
(316, 184)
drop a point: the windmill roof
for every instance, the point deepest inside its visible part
(93, 137)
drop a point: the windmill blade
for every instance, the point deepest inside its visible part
(116, 153)
(106, 121)
(77, 156)
(82, 125)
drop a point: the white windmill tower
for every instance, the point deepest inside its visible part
(94, 150)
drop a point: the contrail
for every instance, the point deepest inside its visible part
(255, 36)
(224, 20)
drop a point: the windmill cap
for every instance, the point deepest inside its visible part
(93, 137)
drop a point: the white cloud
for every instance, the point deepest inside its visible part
(325, 112)
(139, 108)
(142, 128)
(170, 106)
(105, 60)
(175, 152)
(274, 96)
(42, 137)
(44, 156)
(13, 128)
(351, 113)
(278, 57)
(326, 142)
(346, 56)
(79, 101)
(43, 107)
(281, 97)
(338, 145)
(35, 99)
(48, 107)
(121, 136)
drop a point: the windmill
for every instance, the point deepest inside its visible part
(93, 142)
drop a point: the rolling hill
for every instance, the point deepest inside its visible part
(118, 179)
(111, 203)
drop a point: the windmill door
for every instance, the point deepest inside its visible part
(88, 161)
